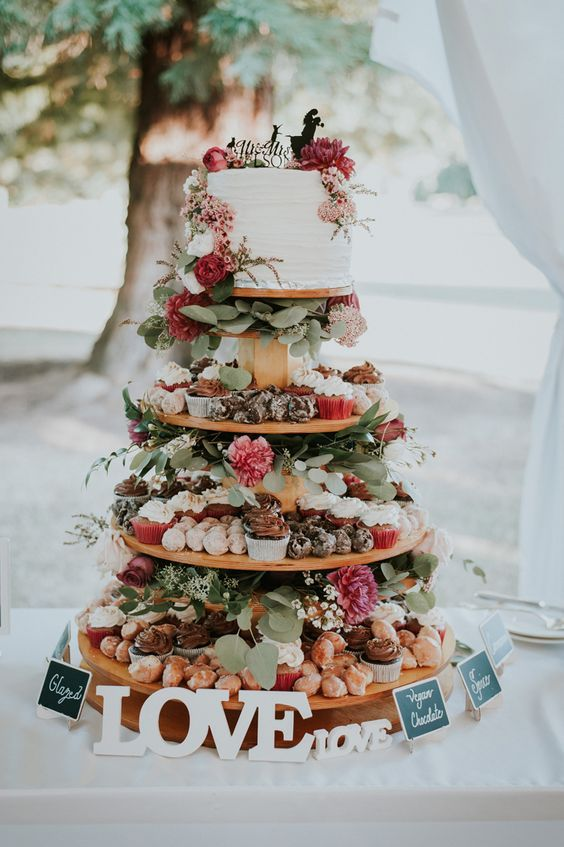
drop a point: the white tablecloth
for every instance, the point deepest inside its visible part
(508, 767)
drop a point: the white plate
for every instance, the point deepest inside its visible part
(528, 625)
(552, 642)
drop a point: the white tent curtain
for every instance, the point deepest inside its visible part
(497, 66)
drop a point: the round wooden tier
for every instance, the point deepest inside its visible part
(291, 293)
(376, 704)
(272, 427)
(232, 561)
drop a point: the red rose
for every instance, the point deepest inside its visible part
(215, 159)
(179, 326)
(137, 572)
(210, 270)
(390, 430)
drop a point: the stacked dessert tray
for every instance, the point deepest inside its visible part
(275, 547)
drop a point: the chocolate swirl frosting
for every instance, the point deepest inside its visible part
(217, 624)
(265, 524)
(365, 373)
(132, 487)
(155, 640)
(358, 637)
(266, 503)
(191, 635)
(208, 388)
(382, 650)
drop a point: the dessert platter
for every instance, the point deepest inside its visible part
(267, 535)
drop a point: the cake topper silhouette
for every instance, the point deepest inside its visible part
(311, 121)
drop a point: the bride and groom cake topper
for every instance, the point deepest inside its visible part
(273, 152)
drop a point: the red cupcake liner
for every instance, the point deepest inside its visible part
(148, 532)
(175, 386)
(97, 634)
(219, 510)
(383, 537)
(285, 681)
(334, 408)
(311, 513)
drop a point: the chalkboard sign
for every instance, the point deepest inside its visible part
(421, 708)
(64, 689)
(496, 638)
(479, 679)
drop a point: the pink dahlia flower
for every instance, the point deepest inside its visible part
(322, 153)
(357, 591)
(136, 436)
(251, 458)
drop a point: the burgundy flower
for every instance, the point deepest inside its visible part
(210, 270)
(180, 326)
(135, 436)
(137, 572)
(322, 153)
(344, 300)
(390, 430)
(251, 458)
(357, 591)
(215, 159)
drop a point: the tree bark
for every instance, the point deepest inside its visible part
(169, 142)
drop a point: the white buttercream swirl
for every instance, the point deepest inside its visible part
(290, 654)
(157, 512)
(307, 377)
(348, 507)
(390, 612)
(113, 553)
(378, 515)
(319, 502)
(106, 616)
(211, 372)
(334, 386)
(173, 374)
(434, 617)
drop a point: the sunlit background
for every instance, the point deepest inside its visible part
(459, 322)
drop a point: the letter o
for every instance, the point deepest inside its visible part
(149, 723)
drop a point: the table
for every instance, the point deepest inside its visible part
(476, 778)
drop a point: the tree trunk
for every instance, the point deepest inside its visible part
(169, 142)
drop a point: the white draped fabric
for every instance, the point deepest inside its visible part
(498, 69)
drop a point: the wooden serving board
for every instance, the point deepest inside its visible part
(291, 293)
(327, 713)
(266, 427)
(232, 561)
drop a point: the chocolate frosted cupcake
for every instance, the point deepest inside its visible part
(267, 535)
(191, 640)
(363, 375)
(217, 625)
(199, 395)
(133, 489)
(357, 638)
(266, 503)
(154, 641)
(163, 489)
(383, 656)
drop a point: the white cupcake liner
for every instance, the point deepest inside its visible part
(135, 657)
(266, 549)
(384, 671)
(199, 407)
(191, 653)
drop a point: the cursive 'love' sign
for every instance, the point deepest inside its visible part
(205, 708)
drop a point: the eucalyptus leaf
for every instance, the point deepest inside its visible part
(312, 487)
(224, 313)
(317, 461)
(388, 570)
(300, 348)
(244, 618)
(420, 601)
(317, 475)
(161, 293)
(224, 289)
(284, 637)
(273, 481)
(287, 317)
(181, 456)
(336, 484)
(199, 313)
(425, 564)
(237, 325)
(232, 652)
(262, 660)
(235, 497)
(235, 379)
(242, 306)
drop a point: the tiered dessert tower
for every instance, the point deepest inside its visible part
(271, 363)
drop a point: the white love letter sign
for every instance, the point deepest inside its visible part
(205, 708)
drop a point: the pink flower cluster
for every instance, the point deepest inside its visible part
(250, 458)
(205, 211)
(339, 209)
(355, 324)
(357, 591)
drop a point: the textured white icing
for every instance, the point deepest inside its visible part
(386, 513)
(348, 507)
(276, 210)
(334, 386)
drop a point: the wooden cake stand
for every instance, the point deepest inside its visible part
(376, 704)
